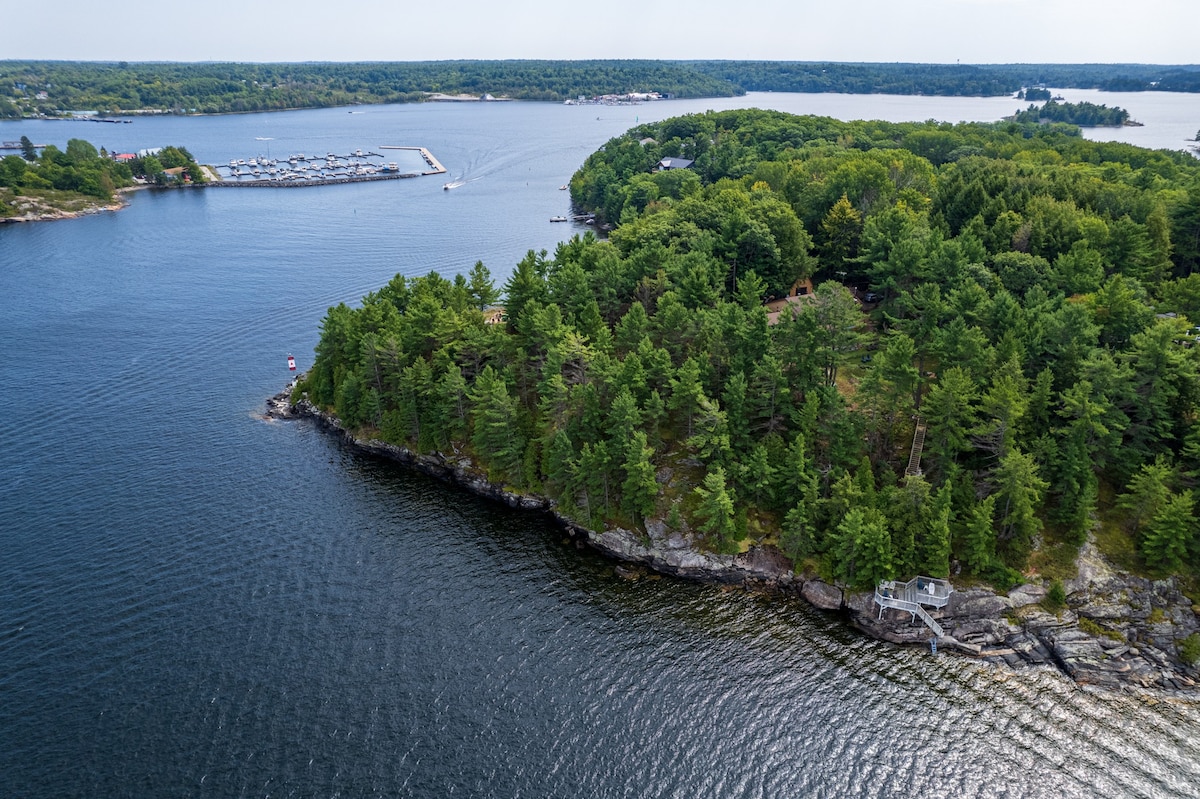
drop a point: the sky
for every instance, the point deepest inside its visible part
(924, 31)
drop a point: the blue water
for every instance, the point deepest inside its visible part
(197, 602)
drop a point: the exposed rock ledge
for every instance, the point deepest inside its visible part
(1118, 631)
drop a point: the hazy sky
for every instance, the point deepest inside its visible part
(940, 31)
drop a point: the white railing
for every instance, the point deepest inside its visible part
(912, 595)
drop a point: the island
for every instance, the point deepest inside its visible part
(1088, 115)
(837, 358)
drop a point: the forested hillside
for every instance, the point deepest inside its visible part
(1022, 293)
(57, 87)
(218, 88)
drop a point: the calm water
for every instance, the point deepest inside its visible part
(194, 602)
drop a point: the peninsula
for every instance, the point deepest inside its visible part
(44, 183)
(978, 365)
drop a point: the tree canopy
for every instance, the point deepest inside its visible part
(1023, 292)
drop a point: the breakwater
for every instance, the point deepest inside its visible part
(288, 184)
(435, 166)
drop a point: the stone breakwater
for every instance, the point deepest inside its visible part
(1117, 631)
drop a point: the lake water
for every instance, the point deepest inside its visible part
(195, 602)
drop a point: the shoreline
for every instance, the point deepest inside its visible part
(1011, 631)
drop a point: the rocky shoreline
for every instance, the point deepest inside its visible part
(35, 211)
(1118, 631)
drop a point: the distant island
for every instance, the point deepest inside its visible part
(48, 183)
(62, 88)
(1088, 115)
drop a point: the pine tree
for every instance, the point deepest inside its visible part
(979, 540)
(1171, 534)
(480, 288)
(864, 549)
(497, 437)
(639, 491)
(715, 511)
(935, 549)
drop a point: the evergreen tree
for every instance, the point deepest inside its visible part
(715, 511)
(1171, 534)
(480, 288)
(640, 488)
(979, 540)
(864, 549)
(497, 438)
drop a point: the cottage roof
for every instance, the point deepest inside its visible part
(675, 163)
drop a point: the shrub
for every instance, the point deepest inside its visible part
(1189, 649)
(1056, 597)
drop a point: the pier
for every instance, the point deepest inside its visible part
(435, 166)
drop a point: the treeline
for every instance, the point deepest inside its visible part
(1087, 115)
(947, 79)
(216, 88)
(232, 87)
(79, 169)
(932, 79)
(1031, 302)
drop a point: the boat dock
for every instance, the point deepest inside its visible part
(435, 166)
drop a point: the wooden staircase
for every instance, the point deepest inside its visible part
(918, 444)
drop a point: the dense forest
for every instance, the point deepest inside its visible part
(215, 88)
(56, 87)
(1022, 294)
(947, 79)
(1086, 115)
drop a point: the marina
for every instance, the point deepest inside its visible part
(331, 169)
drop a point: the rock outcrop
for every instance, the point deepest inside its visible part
(1117, 630)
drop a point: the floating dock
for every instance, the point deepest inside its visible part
(435, 166)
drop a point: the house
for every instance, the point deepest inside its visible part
(801, 292)
(673, 163)
(124, 158)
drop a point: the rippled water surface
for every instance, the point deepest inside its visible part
(195, 602)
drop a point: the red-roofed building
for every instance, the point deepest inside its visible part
(123, 157)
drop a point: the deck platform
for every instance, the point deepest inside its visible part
(914, 596)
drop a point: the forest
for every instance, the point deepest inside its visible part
(121, 87)
(1023, 295)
